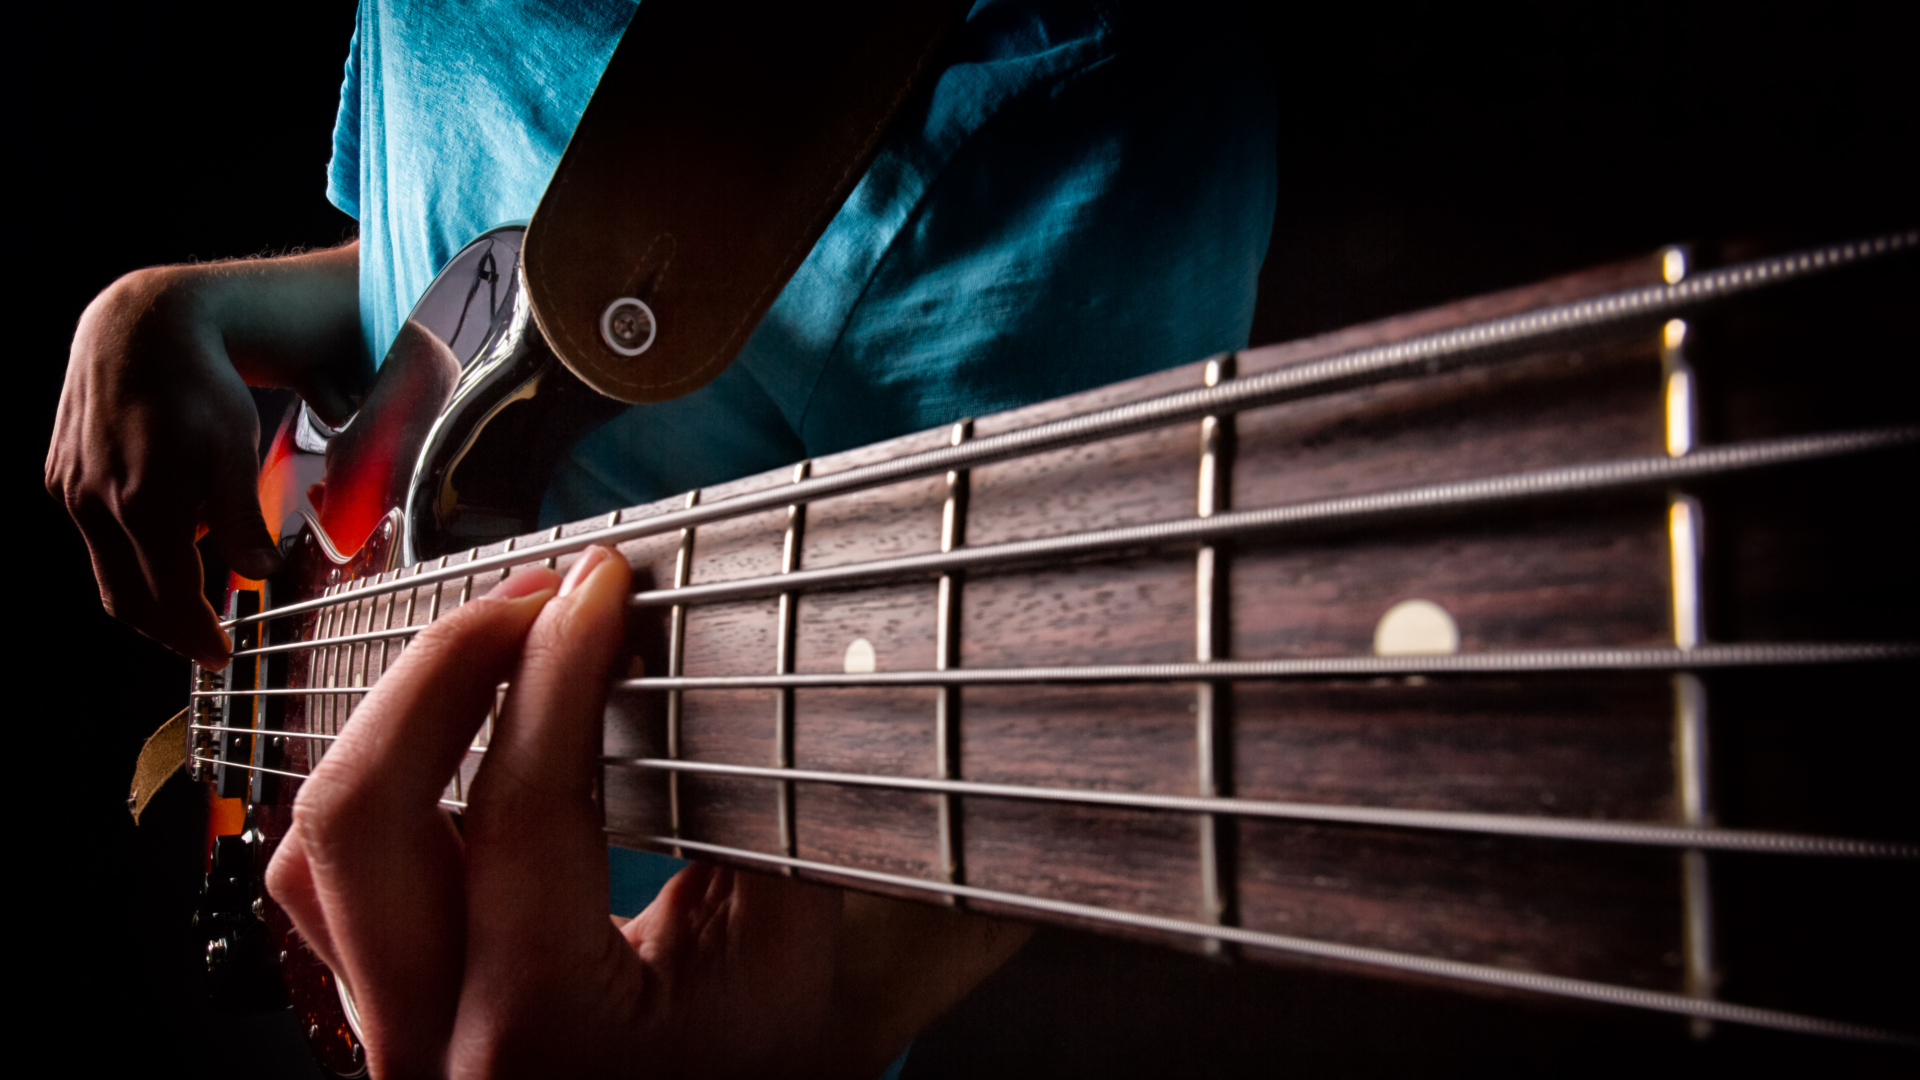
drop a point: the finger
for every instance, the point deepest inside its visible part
(537, 865)
(386, 864)
(150, 578)
(233, 516)
(728, 943)
(545, 748)
(290, 883)
(329, 399)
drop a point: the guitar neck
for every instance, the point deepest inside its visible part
(1392, 648)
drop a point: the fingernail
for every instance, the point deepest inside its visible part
(215, 661)
(589, 559)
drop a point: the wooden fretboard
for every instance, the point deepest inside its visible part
(1403, 647)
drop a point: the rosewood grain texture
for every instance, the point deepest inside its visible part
(1107, 611)
(1566, 747)
(894, 832)
(1818, 552)
(747, 546)
(898, 519)
(897, 620)
(1539, 412)
(1132, 480)
(887, 731)
(1581, 910)
(1594, 577)
(1131, 860)
(1113, 738)
(735, 638)
(1172, 380)
(729, 810)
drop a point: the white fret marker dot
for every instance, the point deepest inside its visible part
(1416, 628)
(860, 659)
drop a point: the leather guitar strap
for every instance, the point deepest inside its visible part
(164, 752)
(720, 142)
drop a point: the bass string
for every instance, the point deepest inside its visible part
(344, 668)
(362, 672)
(1553, 985)
(1705, 657)
(1624, 833)
(1515, 662)
(1346, 511)
(1461, 971)
(1419, 356)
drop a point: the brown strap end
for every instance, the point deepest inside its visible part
(162, 756)
(720, 143)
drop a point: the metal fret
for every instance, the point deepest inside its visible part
(433, 613)
(676, 658)
(322, 628)
(466, 582)
(433, 605)
(1212, 730)
(319, 710)
(1684, 521)
(393, 601)
(553, 561)
(1499, 339)
(783, 661)
(265, 717)
(1696, 897)
(342, 707)
(946, 655)
(494, 705)
(342, 671)
(330, 704)
(1483, 974)
(407, 620)
(366, 654)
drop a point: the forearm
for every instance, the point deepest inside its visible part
(291, 322)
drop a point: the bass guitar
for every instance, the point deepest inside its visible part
(1552, 642)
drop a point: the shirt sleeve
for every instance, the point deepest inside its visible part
(343, 169)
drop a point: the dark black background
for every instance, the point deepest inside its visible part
(1426, 155)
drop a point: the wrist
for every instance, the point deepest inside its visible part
(290, 322)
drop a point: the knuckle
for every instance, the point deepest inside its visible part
(324, 808)
(431, 645)
(280, 878)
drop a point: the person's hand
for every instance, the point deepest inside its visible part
(156, 438)
(487, 950)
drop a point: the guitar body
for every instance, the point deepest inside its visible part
(1481, 662)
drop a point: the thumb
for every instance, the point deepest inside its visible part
(232, 515)
(331, 397)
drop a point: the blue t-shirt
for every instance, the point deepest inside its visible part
(1084, 197)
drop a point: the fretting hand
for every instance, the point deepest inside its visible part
(487, 951)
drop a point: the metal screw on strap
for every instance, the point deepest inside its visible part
(628, 326)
